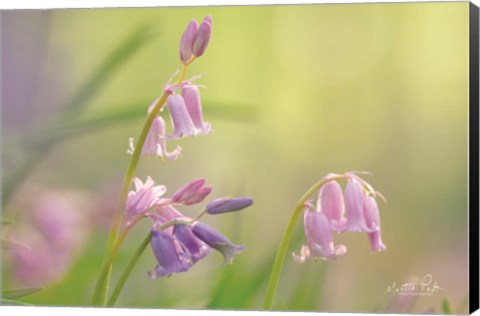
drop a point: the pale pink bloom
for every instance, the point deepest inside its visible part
(373, 223)
(330, 201)
(155, 143)
(181, 120)
(319, 236)
(143, 198)
(182, 123)
(191, 96)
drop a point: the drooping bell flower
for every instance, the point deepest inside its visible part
(354, 204)
(319, 237)
(191, 97)
(155, 143)
(330, 202)
(169, 254)
(372, 218)
(217, 241)
(144, 197)
(192, 193)
(226, 205)
(195, 247)
(181, 120)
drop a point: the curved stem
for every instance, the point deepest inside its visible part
(98, 292)
(285, 241)
(103, 281)
(123, 279)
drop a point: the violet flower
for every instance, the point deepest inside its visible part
(372, 218)
(217, 241)
(195, 247)
(225, 205)
(170, 257)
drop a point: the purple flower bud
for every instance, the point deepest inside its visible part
(217, 241)
(192, 193)
(203, 36)
(144, 197)
(182, 123)
(155, 143)
(170, 257)
(191, 96)
(319, 238)
(330, 202)
(225, 205)
(192, 244)
(186, 43)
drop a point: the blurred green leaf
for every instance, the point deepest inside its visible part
(92, 85)
(18, 293)
(8, 244)
(446, 307)
(130, 111)
(6, 221)
(5, 301)
(107, 68)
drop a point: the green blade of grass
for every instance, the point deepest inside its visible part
(12, 294)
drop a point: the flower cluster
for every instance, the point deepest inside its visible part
(179, 241)
(185, 109)
(354, 211)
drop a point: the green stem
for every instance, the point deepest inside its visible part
(121, 282)
(101, 288)
(285, 242)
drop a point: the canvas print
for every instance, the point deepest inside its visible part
(292, 158)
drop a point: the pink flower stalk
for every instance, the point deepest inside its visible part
(155, 143)
(319, 236)
(195, 39)
(143, 198)
(357, 212)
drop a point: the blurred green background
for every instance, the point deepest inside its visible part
(294, 92)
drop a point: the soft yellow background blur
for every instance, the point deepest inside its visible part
(335, 88)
